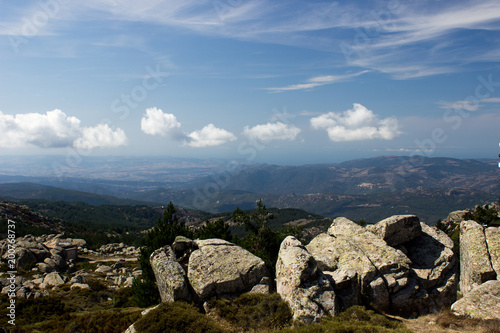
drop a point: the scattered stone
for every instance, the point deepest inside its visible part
(119, 264)
(103, 269)
(79, 285)
(129, 282)
(78, 279)
(44, 268)
(53, 279)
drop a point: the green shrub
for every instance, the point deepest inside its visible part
(254, 311)
(39, 309)
(122, 298)
(163, 233)
(355, 319)
(96, 285)
(483, 215)
(176, 317)
(110, 321)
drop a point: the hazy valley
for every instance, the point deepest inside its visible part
(370, 188)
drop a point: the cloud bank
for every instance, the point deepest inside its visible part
(157, 122)
(356, 124)
(210, 136)
(55, 129)
(272, 131)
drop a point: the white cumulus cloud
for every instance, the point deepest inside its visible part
(356, 124)
(209, 136)
(54, 129)
(272, 131)
(156, 122)
(101, 136)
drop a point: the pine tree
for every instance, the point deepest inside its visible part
(164, 233)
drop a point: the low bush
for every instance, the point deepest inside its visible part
(448, 319)
(254, 311)
(355, 319)
(176, 317)
(109, 321)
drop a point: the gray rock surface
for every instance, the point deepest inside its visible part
(103, 269)
(433, 284)
(170, 276)
(219, 268)
(380, 269)
(368, 271)
(53, 279)
(309, 293)
(265, 286)
(482, 302)
(475, 263)
(397, 229)
(493, 240)
(453, 220)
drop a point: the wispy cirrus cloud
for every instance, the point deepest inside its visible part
(403, 39)
(317, 81)
(469, 105)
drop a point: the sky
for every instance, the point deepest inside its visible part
(281, 82)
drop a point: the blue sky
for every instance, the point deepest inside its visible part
(287, 82)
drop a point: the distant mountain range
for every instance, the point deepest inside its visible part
(371, 188)
(363, 176)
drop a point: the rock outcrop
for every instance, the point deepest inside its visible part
(118, 249)
(170, 276)
(380, 270)
(397, 229)
(416, 275)
(309, 293)
(479, 271)
(219, 267)
(453, 220)
(475, 262)
(433, 272)
(202, 269)
(481, 302)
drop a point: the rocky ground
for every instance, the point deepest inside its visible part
(43, 266)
